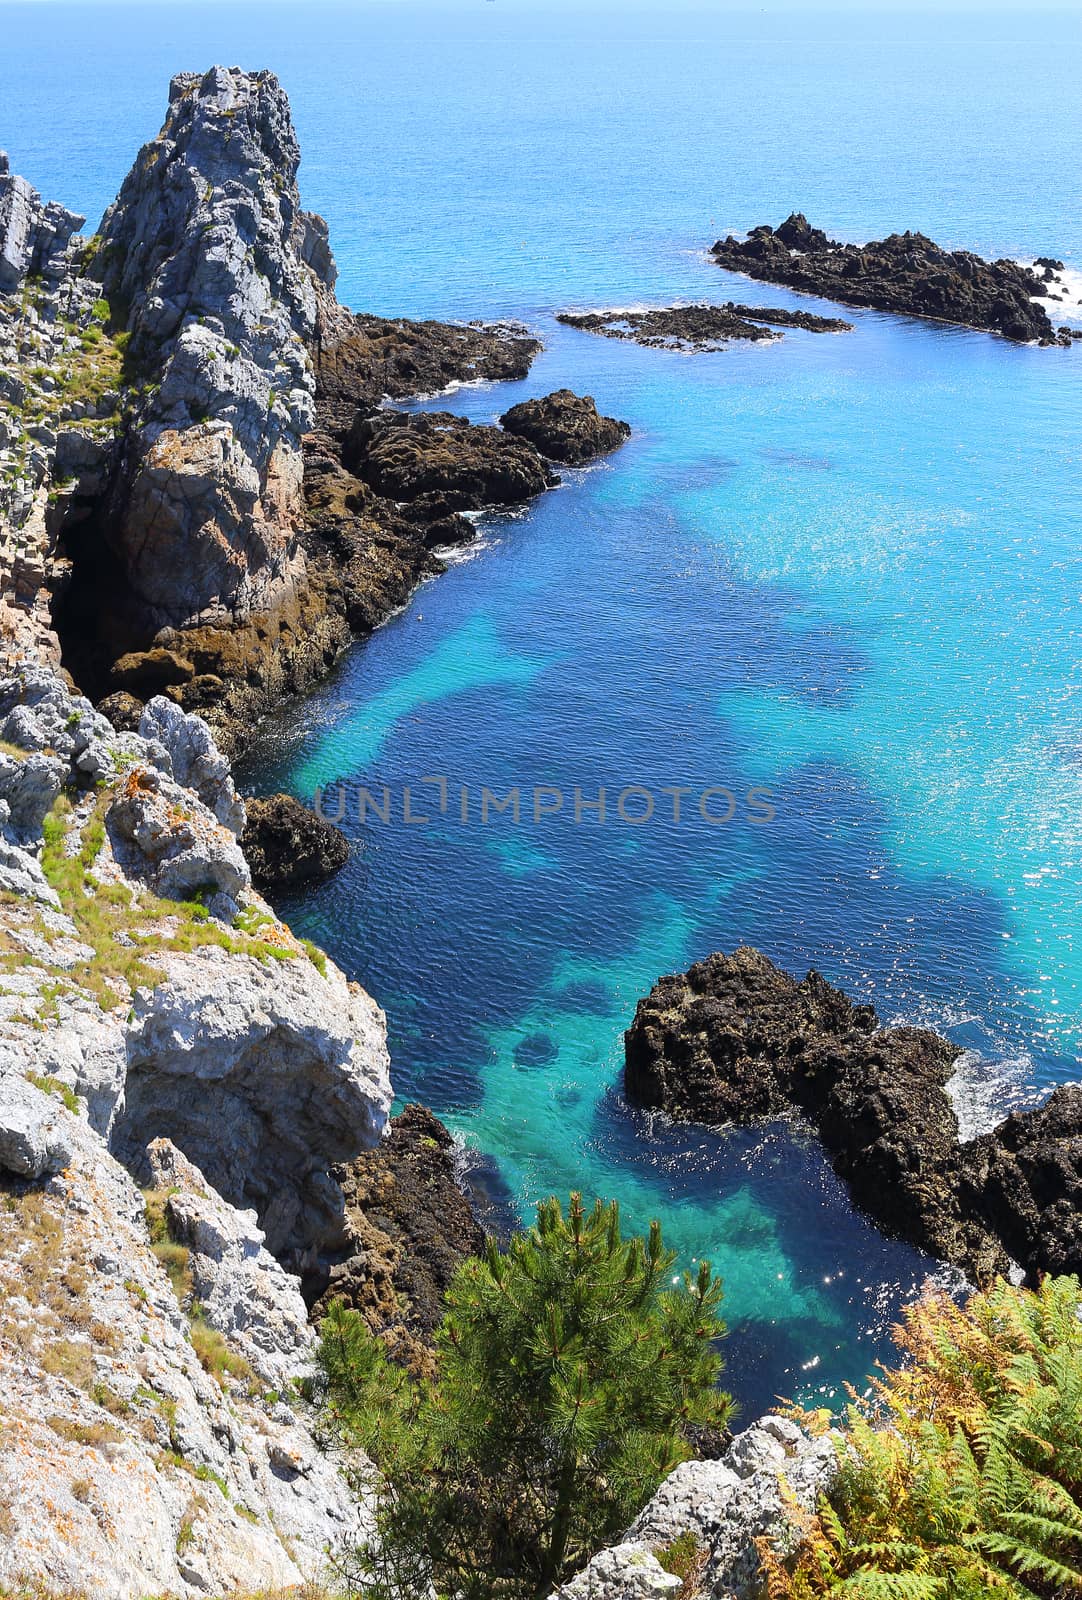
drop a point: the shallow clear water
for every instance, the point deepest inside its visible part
(842, 568)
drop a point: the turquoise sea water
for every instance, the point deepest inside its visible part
(843, 568)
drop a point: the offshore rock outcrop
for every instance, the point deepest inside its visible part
(905, 272)
(735, 1039)
(190, 1043)
(286, 844)
(566, 427)
(769, 1475)
(438, 464)
(702, 327)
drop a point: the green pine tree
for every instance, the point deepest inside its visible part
(568, 1371)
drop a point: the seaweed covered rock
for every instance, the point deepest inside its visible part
(286, 844)
(735, 1039)
(698, 327)
(440, 463)
(410, 1226)
(1030, 1174)
(566, 427)
(362, 360)
(905, 272)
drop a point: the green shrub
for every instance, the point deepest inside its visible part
(49, 1085)
(567, 1370)
(686, 1559)
(963, 1478)
(215, 1355)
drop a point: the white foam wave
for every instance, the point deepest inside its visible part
(456, 555)
(635, 308)
(984, 1090)
(1065, 305)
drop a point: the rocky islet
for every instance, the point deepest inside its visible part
(905, 272)
(736, 1040)
(699, 327)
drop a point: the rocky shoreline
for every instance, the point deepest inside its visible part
(208, 501)
(409, 1224)
(736, 1040)
(905, 272)
(700, 327)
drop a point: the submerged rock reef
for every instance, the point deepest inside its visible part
(735, 1040)
(905, 272)
(702, 327)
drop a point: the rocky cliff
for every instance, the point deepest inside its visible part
(56, 405)
(178, 1074)
(210, 267)
(202, 496)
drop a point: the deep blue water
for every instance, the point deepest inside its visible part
(843, 568)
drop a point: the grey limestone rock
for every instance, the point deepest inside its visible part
(205, 255)
(241, 1289)
(32, 1136)
(261, 1077)
(178, 847)
(33, 236)
(196, 760)
(154, 1479)
(726, 1505)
